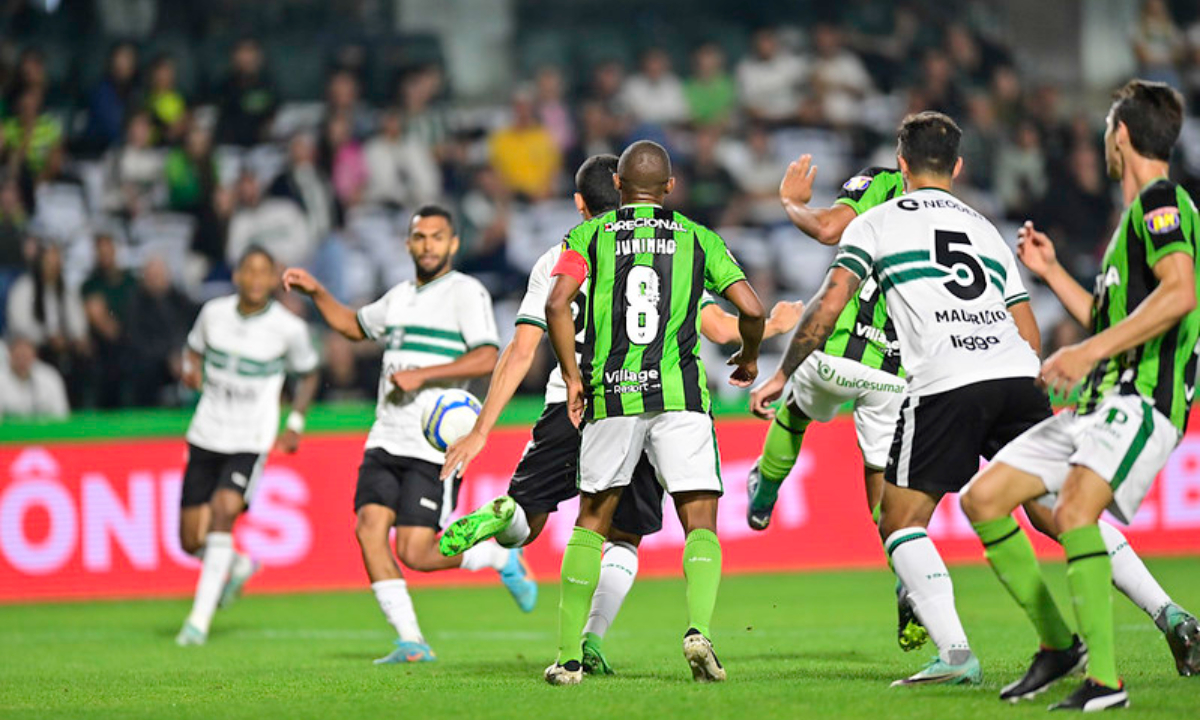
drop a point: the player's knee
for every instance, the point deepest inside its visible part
(977, 504)
(190, 542)
(1069, 517)
(370, 532)
(415, 559)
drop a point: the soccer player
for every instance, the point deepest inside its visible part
(1138, 371)
(438, 332)
(640, 385)
(964, 324)
(546, 474)
(237, 354)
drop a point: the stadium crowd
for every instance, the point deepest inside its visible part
(122, 208)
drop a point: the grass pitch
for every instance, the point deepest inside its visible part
(818, 645)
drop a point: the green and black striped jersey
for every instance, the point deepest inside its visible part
(647, 271)
(1160, 221)
(863, 332)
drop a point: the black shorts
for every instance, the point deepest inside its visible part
(207, 471)
(410, 487)
(940, 438)
(549, 474)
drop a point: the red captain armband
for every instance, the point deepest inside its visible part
(571, 264)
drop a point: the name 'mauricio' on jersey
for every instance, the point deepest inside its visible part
(647, 271)
(949, 279)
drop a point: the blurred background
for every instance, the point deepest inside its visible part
(144, 144)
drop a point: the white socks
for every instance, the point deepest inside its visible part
(397, 607)
(920, 567)
(485, 555)
(517, 532)
(1130, 575)
(218, 557)
(618, 568)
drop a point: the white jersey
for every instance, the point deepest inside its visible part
(949, 279)
(245, 358)
(533, 312)
(422, 326)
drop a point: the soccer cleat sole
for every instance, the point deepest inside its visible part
(483, 524)
(1076, 670)
(698, 652)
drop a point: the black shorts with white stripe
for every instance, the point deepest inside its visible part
(408, 487)
(940, 437)
(209, 471)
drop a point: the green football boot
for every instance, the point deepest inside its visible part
(594, 662)
(1183, 637)
(470, 530)
(910, 633)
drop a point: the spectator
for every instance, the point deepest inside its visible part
(1158, 44)
(191, 173)
(345, 164)
(712, 196)
(524, 153)
(30, 76)
(710, 92)
(607, 81)
(158, 321)
(487, 207)
(276, 223)
(30, 388)
(14, 219)
(401, 170)
(552, 109)
(307, 185)
(424, 120)
(769, 80)
(967, 57)
(1021, 173)
(42, 309)
(107, 292)
(981, 143)
(246, 100)
(1079, 213)
(655, 95)
(1007, 95)
(839, 78)
(342, 100)
(134, 170)
(30, 135)
(164, 102)
(757, 171)
(109, 101)
(937, 87)
(598, 132)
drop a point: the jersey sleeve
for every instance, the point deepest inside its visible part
(476, 320)
(533, 306)
(858, 248)
(1014, 286)
(720, 269)
(580, 240)
(301, 357)
(707, 299)
(372, 319)
(196, 337)
(869, 187)
(1161, 227)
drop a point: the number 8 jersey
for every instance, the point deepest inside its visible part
(948, 279)
(647, 269)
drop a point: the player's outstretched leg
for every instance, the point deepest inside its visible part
(618, 569)
(499, 518)
(780, 450)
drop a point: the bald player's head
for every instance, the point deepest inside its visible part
(644, 172)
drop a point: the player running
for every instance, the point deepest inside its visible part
(546, 474)
(640, 385)
(237, 354)
(441, 315)
(1138, 371)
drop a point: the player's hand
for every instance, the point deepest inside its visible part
(301, 281)
(797, 184)
(576, 401)
(765, 395)
(460, 454)
(745, 369)
(288, 442)
(1063, 370)
(785, 316)
(1035, 250)
(192, 376)
(409, 380)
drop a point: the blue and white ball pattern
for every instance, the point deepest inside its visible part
(449, 417)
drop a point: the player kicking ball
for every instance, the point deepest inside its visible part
(1138, 372)
(237, 355)
(438, 332)
(546, 474)
(640, 386)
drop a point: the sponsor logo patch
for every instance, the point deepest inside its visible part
(1163, 220)
(857, 183)
(429, 504)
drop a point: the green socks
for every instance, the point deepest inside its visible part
(580, 573)
(781, 449)
(1011, 555)
(702, 569)
(1089, 575)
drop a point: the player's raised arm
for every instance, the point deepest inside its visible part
(341, 318)
(825, 225)
(1036, 252)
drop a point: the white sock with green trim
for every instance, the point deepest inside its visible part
(618, 568)
(917, 563)
(517, 532)
(1129, 573)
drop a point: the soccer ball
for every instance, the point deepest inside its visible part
(449, 417)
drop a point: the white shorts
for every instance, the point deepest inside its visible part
(1124, 440)
(681, 445)
(823, 383)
